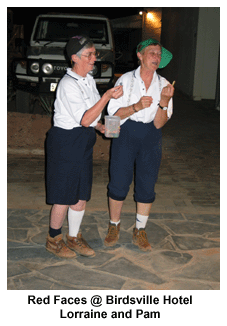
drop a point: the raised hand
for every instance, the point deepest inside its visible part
(115, 92)
(143, 103)
(166, 94)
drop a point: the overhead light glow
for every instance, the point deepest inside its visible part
(150, 15)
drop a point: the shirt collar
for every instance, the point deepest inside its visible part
(137, 75)
(76, 76)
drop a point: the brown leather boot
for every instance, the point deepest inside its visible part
(112, 235)
(80, 245)
(58, 247)
(139, 239)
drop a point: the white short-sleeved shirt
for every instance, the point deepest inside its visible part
(75, 95)
(134, 88)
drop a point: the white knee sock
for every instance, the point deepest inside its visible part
(74, 220)
(141, 221)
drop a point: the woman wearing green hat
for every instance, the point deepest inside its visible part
(144, 109)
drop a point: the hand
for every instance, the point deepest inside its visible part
(166, 94)
(143, 103)
(100, 127)
(115, 92)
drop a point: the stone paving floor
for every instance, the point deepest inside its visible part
(185, 254)
(183, 227)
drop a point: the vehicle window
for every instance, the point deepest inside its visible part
(56, 29)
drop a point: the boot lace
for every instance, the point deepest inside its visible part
(81, 242)
(112, 233)
(142, 237)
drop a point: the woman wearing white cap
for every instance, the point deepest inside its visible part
(69, 146)
(144, 109)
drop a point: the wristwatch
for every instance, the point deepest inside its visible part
(164, 108)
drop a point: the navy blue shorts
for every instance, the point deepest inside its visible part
(138, 149)
(69, 165)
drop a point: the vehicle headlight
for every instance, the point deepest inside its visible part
(105, 67)
(106, 70)
(35, 67)
(94, 71)
(47, 68)
(23, 64)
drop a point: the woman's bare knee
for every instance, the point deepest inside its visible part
(80, 206)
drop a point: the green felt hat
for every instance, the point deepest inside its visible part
(166, 55)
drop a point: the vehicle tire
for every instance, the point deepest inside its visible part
(24, 103)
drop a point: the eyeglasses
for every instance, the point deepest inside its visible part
(89, 55)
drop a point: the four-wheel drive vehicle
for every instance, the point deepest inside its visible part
(37, 76)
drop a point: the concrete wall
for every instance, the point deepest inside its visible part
(207, 54)
(152, 23)
(179, 35)
(193, 36)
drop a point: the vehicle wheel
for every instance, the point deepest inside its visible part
(24, 102)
